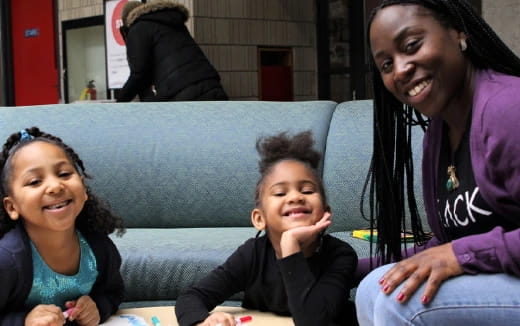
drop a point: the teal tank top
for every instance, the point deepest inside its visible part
(49, 287)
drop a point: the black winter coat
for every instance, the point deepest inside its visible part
(161, 53)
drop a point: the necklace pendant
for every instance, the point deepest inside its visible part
(453, 182)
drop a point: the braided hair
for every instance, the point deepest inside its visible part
(390, 179)
(282, 147)
(95, 215)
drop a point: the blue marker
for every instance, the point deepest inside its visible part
(155, 321)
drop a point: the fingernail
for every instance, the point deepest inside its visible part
(386, 287)
(400, 296)
(424, 299)
(382, 280)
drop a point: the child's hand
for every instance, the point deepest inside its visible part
(219, 318)
(303, 237)
(84, 311)
(45, 315)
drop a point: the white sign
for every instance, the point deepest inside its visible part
(117, 65)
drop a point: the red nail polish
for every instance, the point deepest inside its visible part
(424, 299)
(400, 296)
(386, 287)
(382, 280)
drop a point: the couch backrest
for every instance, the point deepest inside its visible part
(191, 164)
(347, 161)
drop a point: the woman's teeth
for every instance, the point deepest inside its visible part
(417, 89)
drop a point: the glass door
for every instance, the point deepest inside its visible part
(84, 60)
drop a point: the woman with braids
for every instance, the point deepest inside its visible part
(438, 59)
(294, 269)
(57, 264)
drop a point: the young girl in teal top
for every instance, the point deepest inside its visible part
(55, 255)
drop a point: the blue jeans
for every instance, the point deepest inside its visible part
(467, 300)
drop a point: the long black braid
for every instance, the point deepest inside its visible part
(390, 179)
(95, 215)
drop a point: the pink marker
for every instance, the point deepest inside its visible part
(67, 313)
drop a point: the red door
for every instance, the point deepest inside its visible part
(276, 83)
(34, 52)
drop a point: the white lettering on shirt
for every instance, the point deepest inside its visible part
(450, 214)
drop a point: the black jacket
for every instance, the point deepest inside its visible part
(162, 53)
(16, 279)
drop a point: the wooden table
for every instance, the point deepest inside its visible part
(166, 316)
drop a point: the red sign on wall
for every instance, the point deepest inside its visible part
(116, 22)
(117, 65)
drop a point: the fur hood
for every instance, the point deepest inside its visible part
(157, 5)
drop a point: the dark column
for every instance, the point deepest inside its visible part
(323, 58)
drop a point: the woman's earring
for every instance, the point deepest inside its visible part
(463, 45)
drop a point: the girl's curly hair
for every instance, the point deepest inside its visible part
(95, 215)
(281, 147)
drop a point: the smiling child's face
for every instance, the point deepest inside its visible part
(290, 197)
(45, 188)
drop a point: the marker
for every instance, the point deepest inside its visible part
(243, 320)
(67, 313)
(240, 321)
(155, 321)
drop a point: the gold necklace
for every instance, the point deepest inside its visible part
(453, 182)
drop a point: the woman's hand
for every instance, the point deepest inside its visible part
(45, 315)
(433, 265)
(219, 318)
(84, 311)
(302, 237)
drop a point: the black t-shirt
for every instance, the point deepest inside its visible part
(463, 211)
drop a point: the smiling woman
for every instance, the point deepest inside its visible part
(437, 59)
(420, 61)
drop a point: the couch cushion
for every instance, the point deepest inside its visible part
(159, 263)
(173, 164)
(347, 160)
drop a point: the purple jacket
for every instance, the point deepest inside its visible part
(495, 157)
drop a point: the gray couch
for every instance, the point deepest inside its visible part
(183, 175)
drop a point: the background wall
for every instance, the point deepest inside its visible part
(230, 31)
(503, 16)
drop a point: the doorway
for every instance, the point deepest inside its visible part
(275, 74)
(34, 52)
(84, 59)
